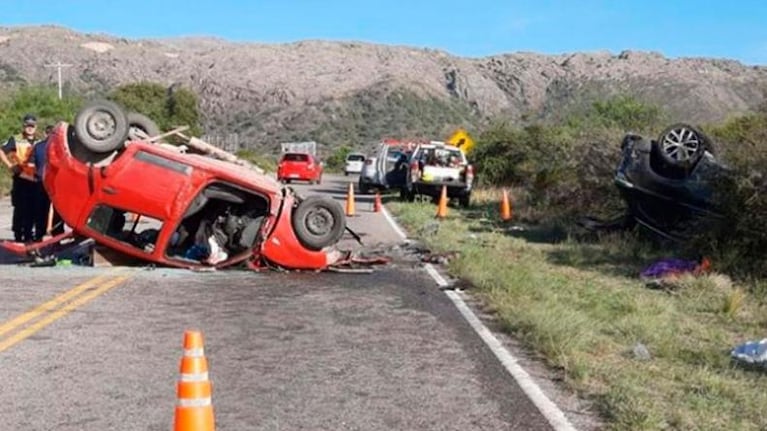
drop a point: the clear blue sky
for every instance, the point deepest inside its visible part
(730, 29)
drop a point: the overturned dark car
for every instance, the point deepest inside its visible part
(668, 183)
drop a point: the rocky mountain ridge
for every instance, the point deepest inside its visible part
(269, 92)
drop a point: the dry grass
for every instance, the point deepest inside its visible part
(583, 307)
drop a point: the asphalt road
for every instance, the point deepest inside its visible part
(86, 348)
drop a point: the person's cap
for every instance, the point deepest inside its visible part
(30, 120)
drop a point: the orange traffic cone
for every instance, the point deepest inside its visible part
(350, 212)
(505, 206)
(377, 203)
(194, 409)
(442, 206)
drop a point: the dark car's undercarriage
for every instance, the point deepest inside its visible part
(668, 183)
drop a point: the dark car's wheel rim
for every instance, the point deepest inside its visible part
(681, 144)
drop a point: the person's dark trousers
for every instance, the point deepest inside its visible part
(41, 215)
(24, 201)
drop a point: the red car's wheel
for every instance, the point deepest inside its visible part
(101, 126)
(141, 127)
(318, 222)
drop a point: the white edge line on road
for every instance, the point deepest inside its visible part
(550, 411)
(393, 223)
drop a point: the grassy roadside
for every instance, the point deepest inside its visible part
(582, 307)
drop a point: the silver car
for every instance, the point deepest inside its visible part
(385, 169)
(368, 175)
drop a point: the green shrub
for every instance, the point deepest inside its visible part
(739, 241)
(568, 168)
(168, 107)
(335, 162)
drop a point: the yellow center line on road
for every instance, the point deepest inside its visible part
(50, 306)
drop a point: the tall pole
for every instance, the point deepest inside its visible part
(59, 65)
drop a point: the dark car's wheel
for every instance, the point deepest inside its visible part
(682, 145)
(364, 189)
(101, 126)
(319, 222)
(141, 127)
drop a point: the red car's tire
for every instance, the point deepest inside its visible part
(101, 126)
(318, 222)
(143, 124)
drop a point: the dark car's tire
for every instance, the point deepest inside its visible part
(318, 222)
(364, 189)
(682, 145)
(101, 126)
(143, 125)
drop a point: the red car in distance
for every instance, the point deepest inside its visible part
(191, 210)
(299, 167)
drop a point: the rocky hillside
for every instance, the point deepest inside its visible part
(355, 92)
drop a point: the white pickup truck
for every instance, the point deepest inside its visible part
(435, 165)
(309, 147)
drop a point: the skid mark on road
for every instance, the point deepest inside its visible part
(57, 308)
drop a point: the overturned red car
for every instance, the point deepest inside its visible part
(161, 205)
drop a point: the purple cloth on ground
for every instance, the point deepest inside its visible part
(665, 267)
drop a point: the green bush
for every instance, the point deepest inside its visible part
(335, 162)
(168, 107)
(568, 168)
(739, 241)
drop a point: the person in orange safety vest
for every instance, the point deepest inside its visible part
(15, 155)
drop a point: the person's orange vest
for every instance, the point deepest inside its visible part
(21, 157)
